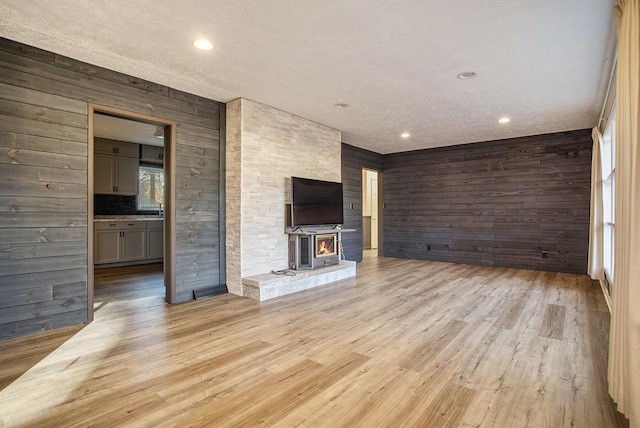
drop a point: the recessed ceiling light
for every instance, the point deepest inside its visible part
(504, 120)
(342, 105)
(203, 44)
(467, 75)
(405, 135)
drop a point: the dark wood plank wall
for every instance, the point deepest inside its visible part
(499, 203)
(43, 189)
(353, 160)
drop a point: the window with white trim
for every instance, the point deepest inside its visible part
(151, 188)
(608, 195)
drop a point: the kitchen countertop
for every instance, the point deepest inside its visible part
(106, 218)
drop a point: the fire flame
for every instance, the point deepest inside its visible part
(323, 248)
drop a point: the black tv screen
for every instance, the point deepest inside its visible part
(315, 202)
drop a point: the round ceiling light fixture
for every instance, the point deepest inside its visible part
(341, 105)
(405, 135)
(467, 75)
(203, 44)
(504, 120)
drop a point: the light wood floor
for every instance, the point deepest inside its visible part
(405, 343)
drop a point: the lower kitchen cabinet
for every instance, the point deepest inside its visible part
(155, 240)
(119, 241)
(133, 245)
(107, 247)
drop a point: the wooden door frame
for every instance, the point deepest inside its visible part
(170, 198)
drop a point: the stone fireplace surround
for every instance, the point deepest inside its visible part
(267, 286)
(321, 269)
(265, 147)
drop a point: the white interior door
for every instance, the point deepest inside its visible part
(373, 185)
(369, 209)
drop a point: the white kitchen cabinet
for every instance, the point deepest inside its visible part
(104, 174)
(119, 241)
(155, 240)
(115, 175)
(117, 148)
(152, 154)
(133, 245)
(107, 248)
(127, 176)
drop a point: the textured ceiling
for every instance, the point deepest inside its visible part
(115, 128)
(543, 63)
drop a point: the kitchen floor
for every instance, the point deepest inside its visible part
(121, 287)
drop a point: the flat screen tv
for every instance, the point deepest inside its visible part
(315, 202)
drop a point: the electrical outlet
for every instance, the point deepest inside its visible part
(545, 254)
(428, 247)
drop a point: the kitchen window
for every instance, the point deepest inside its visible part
(151, 188)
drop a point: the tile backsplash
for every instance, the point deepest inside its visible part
(117, 205)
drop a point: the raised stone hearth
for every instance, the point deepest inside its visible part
(269, 285)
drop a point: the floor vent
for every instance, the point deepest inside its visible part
(203, 293)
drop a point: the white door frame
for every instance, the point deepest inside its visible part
(378, 205)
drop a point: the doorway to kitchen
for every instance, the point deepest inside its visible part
(131, 198)
(370, 211)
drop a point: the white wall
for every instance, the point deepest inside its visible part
(265, 147)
